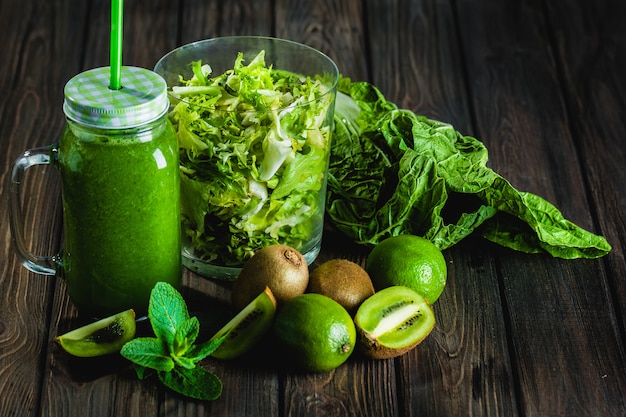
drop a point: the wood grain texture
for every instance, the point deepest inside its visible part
(207, 19)
(333, 27)
(540, 83)
(29, 118)
(415, 58)
(596, 97)
(526, 106)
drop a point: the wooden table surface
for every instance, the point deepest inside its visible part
(541, 83)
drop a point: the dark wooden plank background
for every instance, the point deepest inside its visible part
(541, 83)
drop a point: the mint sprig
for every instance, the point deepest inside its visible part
(173, 353)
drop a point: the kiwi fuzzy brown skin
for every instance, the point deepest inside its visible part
(392, 322)
(342, 280)
(372, 349)
(280, 267)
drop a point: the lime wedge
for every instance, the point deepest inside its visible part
(102, 337)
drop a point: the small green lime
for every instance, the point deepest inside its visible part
(102, 337)
(410, 261)
(316, 332)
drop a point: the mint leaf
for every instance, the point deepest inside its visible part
(184, 362)
(185, 336)
(173, 353)
(142, 371)
(167, 310)
(201, 351)
(196, 383)
(148, 352)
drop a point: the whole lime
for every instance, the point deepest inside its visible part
(315, 332)
(411, 261)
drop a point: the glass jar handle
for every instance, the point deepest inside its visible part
(46, 265)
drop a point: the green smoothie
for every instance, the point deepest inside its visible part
(122, 215)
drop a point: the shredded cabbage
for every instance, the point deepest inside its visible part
(254, 148)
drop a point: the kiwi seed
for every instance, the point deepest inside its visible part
(393, 321)
(247, 327)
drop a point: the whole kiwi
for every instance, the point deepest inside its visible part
(342, 280)
(280, 267)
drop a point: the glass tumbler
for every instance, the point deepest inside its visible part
(254, 119)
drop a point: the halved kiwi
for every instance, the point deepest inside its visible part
(247, 327)
(393, 321)
(103, 337)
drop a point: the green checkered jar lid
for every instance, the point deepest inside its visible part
(141, 99)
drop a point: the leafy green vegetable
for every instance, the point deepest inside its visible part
(173, 353)
(393, 172)
(253, 148)
(197, 383)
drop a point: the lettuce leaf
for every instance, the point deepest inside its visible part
(394, 172)
(253, 144)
